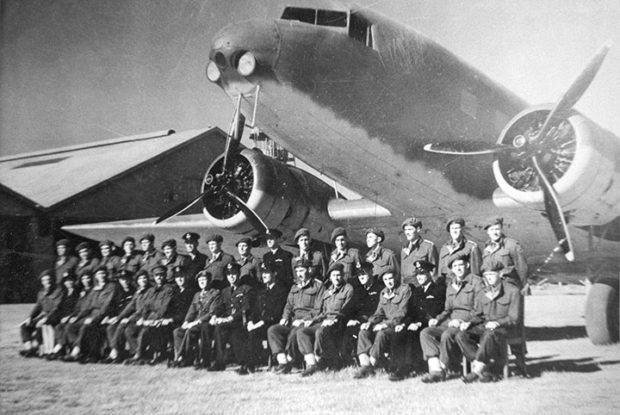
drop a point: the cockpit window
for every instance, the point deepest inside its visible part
(299, 13)
(331, 18)
(317, 17)
(360, 30)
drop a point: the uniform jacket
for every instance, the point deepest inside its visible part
(349, 258)
(393, 307)
(82, 302)
(102, 302)
(216, 266)
(112, 264)
(509, 253)
(426, 303)
(365, 301)
(149, 259)
(280, 261)
(205, 304)
(158, 303)
(504, 308)
(87, 267)
(249, 270)
(460, 301)
(135, 309)
(319, 265)
(382, 259)
(195, 264)
(303, 303)
(420, 250)
(47, 303)
(176, 260)
(181, 301)
(125, 298)
(66, 306)
(64, 265)
(239, 303)
(130, 263)
(464, 247)
(335, 303)
(270, 304)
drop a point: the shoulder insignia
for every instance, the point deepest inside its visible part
(427, 241)
(472, 242)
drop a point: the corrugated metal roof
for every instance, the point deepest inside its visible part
(49, 177)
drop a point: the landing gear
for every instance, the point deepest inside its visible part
(602, 311)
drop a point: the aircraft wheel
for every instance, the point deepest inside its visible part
(602, 312)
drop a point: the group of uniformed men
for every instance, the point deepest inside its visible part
(290, 310)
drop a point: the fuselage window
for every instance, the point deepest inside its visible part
(360, 30)
(299, 13)
(331, 18)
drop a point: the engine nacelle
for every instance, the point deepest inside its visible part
(283, 196)
(581, 164)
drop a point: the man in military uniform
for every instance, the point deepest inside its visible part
(301, 306)
(111, 321)
(306, 251)
(382, 259)
(416, 249)
(238, 300)
(377, 335)
(438, 340)
(249, 263)
(130, 261)
(65, 263)
(172, 259)
(321, 339)
(151, 257)
(218, 261)
(483, 338)
(278, 259)
(457, 247)
(196, 333)
(108, 258)
(197, 260)
(349, 257)
(87, 263)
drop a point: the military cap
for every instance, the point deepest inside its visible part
(365, 268)
(169, 242)
(128, 239)
(203, 273)
(82, 245)
(148, 236)
(102, 268)
(68, 275)
(464, 257)
(302, 232)
(272, 234)
(178, 272)
(233, 268)
(493, 267)
(336, 266)
(157, 269)
(377, 232)
(302, 263)
(214, 237)
(62, 242)
(266, 269)
(124, 274)
(141, 273)
(47, 273)
(423, 265)
(495, 220)
(415, 222)
(247, 241)
(460, 221)
(107, 242)
(338, 232)
(191, 237)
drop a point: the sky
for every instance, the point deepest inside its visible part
(76, 71)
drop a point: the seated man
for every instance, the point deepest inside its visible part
(238, 299)
(483, 339)
(377, 334)
(127, 291)
(270, 302)
(206, 304)
(427, 300)
(301, 307)
(438, 340)
(48, 300)
(127, 317)
(320, 340)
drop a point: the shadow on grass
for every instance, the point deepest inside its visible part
(555, 333)
(536, 366)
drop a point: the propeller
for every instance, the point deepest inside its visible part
(545, 143)
(182, 207)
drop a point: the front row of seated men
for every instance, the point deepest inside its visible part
(391, 325)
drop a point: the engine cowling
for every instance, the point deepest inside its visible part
(281, 195)
(580, 162)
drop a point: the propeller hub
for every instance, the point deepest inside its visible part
(519, 141)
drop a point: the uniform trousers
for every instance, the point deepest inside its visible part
(194, 343)
(440, 341)
(321, 340)
(405, 351)
(486, 346)
(283, 339)
(256, 338)
(378, 344)
(143, 339)
(237, 336)
(30, 332)
(88, 337)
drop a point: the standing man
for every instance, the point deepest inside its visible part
(130, 261)
(382, 259)
(218, 261)
(172, 259)
(65, 263)
(197, 260)
(301, 307)
(278, 259)
(108, 258)
(316, 258)
(349, 257)
(87, 263)
(249, 263)
(416, 249)
(151, 257)
(457, 247)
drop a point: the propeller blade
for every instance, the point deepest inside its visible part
(467, 148)
(255, 220)
(576, 90)
(554, 214)
(182, 207)
(234, 135)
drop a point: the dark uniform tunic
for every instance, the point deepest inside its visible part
(452, 250)
(130, 262)
(86, 267)
(62, 335)
(280, 261)
(157, 307)
(65, 265)
(250, 270)
(318, 264)
(364, 304)
(112, 263)
(499, 304)
(270, 302)
(509, 253)
(382, 260)
(420, 250)
(176, 260)
(48, 302)
(66, 306)
(150, 259)
(126, 298)
(129, 332)
(216, 265)
(196, 263)
(351, 260)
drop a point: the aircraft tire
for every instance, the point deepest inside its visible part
(602, 312)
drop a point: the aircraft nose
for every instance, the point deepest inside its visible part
(245, 48)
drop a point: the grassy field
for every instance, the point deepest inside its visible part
(569, 375)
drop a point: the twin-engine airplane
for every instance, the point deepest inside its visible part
(397, 118)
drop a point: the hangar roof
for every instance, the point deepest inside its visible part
(49, 177)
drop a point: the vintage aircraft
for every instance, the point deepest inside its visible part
(390, 114)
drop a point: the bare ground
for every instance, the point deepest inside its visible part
(568, 375)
